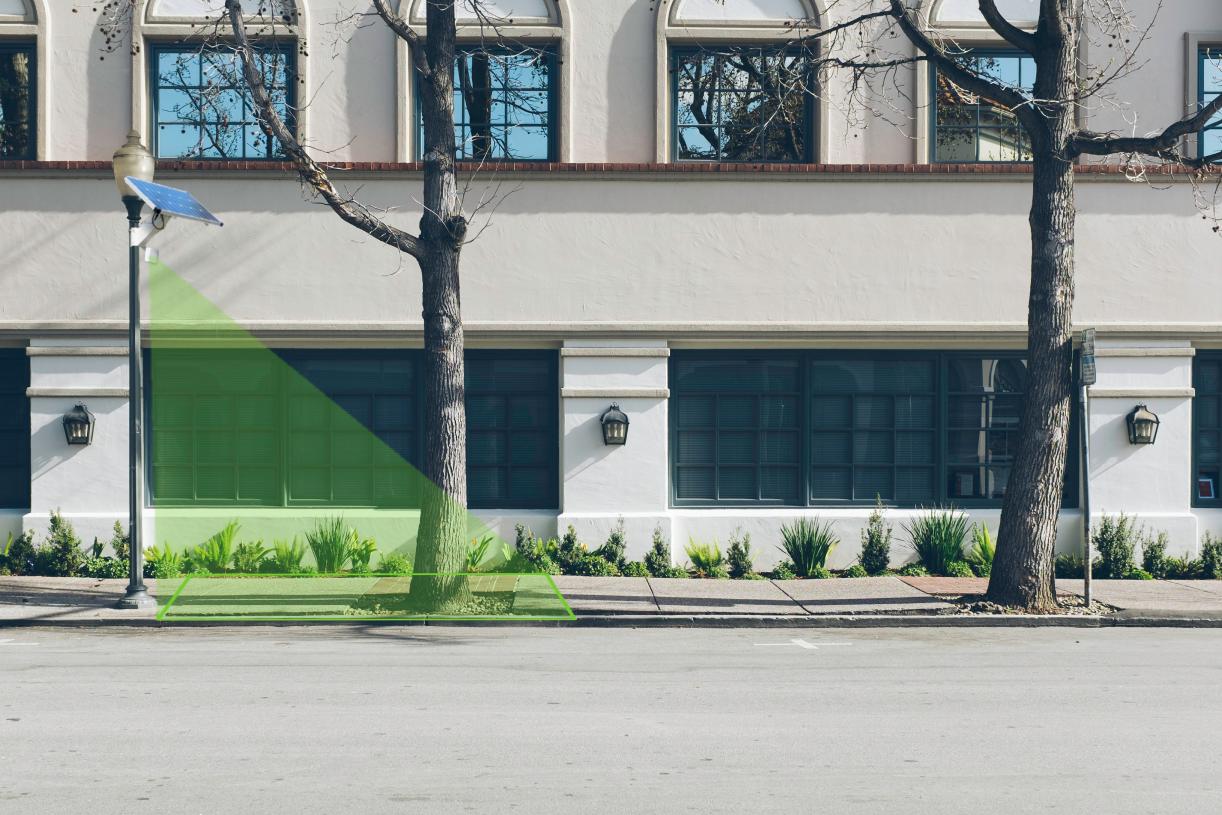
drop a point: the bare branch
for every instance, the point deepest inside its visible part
(1013, 34)
(309, 170)
(1164, 145)
(406, 33)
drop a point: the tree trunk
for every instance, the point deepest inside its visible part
(1022, 574)
(441, 541)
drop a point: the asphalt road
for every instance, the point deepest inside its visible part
(298, 720)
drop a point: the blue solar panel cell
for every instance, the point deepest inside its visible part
(172, 201)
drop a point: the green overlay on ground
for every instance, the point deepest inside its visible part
(282, 486)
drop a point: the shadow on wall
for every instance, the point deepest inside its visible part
(627, 67)
(48, 448)
(589, 434)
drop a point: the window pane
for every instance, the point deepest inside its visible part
(17, 89)
(1207, 428)
(202, 108)
(969, 128)
(15, 471)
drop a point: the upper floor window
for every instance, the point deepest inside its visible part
(1209, 85)
(504, 103)
(970, 128)
(742, 103)
(1207, 428)
(17, 100)
(202, 109)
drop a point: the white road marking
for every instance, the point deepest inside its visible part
(803, 644)
(11, 642)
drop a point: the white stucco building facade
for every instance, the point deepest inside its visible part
(787, 337)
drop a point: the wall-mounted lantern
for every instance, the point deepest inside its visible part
(78, 425)
(615, 426)
(1143, 425)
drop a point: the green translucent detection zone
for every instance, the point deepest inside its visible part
(223, 598)
(287, 492)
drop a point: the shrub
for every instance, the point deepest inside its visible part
(361, 553)
(856, 570)
(808, 542)
(658, 559)
(1182, 568)
(331, 542)
(120, 542)
(875, 555)
(60, 554)
(914, 570)
(19, 554)
(784, 571)
(820, 573)
(162, 562)
(215, 554)
(739, 559)
(1069, 567)
(104, 567)
(959, 568)
(287, 555)
(533, 554)
(634, 568)
(707, 560)
(1115, 539)
(1139, 574)
(570, 551)
(613, 550)
(477, 551)
(394, 564)
(1154, 556)
(248, 557)
(593, 565)
(937, 538)
(984, 550)
(1211, 557)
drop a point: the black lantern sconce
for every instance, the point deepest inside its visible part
(615, 426)
(78, 425)
(1143, 425)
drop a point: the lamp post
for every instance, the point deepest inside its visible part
(134, 159)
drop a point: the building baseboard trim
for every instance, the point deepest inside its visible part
(1142, 393)
(615, 393)
(73, 393)
(57, 351)
(1146, 352)
(614, 352)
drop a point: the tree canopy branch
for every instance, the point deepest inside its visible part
(404, 32)
(310, 171)
(1012, 34)
(1162, 145)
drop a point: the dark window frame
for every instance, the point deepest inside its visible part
(30, 47)
(288, 47)
(983, 51)
(548, 502)
(810, 114)
(16, 359)
(1212, 358)
(804, 357)
(551, 53)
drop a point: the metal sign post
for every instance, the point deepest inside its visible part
(1087, 375)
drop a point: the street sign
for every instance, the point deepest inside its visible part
(172, 201)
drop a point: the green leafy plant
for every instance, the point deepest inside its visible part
(937, 538)
(104, 567)
(394, 564)
(634, 568)
(658, 558)
(875, 555)
(914, 570)
(95, 551)
(216, 553)
(707, 560)
(959, 568)
(1069, 566)
(856, 570)
(1154, 557)
(477, 552)
(163, 562)
(784, 571)
(287, 555)
(248, 557)
(60, 554)
(984, 550)
(1115, 539)
(570, 552)
(594, 566)
(1211, 558)
(120, 542)
(361, 552)
(331, 542)
(739, 559)
(19, 554)
(613, 550)
(1183, 568)
(808, 542)
(533, 553)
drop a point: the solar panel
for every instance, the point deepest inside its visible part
(172, 201)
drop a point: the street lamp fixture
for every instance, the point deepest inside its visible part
(615, 426)
(133, 160)
(1143, 425)
(78, 425)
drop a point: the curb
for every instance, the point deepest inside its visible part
(1121, 620)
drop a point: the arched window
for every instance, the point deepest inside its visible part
(510, 98)
(963, 127)
(735, 85)
(22, 44)
(196, 105)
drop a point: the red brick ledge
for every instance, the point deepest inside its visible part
(694, 168)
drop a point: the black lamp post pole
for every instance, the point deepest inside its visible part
(137, 595)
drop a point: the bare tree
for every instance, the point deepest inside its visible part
(1045, 115)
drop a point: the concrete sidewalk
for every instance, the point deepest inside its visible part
(652, 601)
